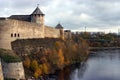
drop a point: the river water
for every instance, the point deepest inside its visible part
(102, 65)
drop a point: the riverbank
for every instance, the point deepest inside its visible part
(103, 48)
(45, 56)
(103, 65)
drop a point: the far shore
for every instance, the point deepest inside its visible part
(103, 48)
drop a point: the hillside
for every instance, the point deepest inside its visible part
(44, 56)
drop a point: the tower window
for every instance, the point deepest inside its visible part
(18, 35)
(15, 35)
(11, 34)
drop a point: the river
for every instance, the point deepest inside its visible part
(102, 65)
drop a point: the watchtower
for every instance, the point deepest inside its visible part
(37, 16)
(59, 26)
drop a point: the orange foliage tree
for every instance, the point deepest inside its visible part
(34, 65)
(26, 62)
(37, 73)
(60, 62)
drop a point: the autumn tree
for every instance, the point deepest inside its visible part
(59, 45)
(37, 73)
(45, 68)
(60, 62)
(34, 65)
(26, 62)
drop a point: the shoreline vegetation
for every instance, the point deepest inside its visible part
(8, 56)
(103, 48)
(45, 56)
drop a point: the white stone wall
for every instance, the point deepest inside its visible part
(13, 70)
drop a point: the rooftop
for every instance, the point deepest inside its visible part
(37, 11)
(59, 26)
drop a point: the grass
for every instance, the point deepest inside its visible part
(8, 56)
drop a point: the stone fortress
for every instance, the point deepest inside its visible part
(23, 27)
(26, 27)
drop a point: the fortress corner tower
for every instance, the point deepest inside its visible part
(37, 16)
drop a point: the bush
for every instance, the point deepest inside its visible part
(8, 57)
(34, 65)
(26, 62)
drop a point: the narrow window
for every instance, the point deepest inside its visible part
(18, 35)
(11, 34)
(15, 35)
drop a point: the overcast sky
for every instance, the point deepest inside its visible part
(95, 15)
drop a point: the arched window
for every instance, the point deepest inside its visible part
(11, 34)
(15, 35)
(18, 35)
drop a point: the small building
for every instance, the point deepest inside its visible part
(67, 34)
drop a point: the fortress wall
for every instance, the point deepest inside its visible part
(5, 35)
(25, 30)
(13, 70)
(1, 72)
(51, 32)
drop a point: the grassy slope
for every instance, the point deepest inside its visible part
(9, 56)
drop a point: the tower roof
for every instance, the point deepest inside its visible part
(59, 26)
(37, 11)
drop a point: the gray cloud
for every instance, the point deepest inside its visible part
(73, 14)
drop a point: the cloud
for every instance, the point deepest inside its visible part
(73, 14)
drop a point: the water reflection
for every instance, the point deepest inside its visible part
(102, 65)
(66, 73)
(78, 73)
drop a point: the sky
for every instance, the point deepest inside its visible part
(95, 15)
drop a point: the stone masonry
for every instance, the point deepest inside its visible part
(13, 70)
